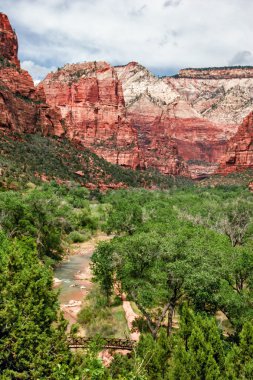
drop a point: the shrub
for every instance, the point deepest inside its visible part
(77, 237)
(86, 315)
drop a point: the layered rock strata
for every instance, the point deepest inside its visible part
(8, 42)
(181, 125)
(239, 154)
(90, 99)
(198, 110)
(92, 106)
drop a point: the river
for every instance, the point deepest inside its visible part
(75, 282)
(74, 277)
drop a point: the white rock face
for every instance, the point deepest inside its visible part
(138, 82)
(225, 101)
(198, 111)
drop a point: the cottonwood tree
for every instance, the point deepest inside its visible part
(234, 220)
(103, 267)
(154, 272)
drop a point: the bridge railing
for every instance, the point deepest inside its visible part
(112, 343)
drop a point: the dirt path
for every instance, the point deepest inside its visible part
(130, 317)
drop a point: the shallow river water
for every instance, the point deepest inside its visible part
(70, 287)
(75, 276)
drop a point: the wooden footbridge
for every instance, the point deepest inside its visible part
(110, 343)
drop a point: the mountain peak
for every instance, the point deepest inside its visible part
(8, 41)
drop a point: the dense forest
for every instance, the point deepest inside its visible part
(183, 256)
(186, 253)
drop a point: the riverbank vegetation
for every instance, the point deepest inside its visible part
(188, 252)
(185, 251)
(50, 214)
(97, 317)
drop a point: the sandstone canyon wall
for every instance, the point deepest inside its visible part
(197, 110)
(22, 109)
(181, 125)
(90, 98)
(239, 153)
(8, 41)
(92, 105)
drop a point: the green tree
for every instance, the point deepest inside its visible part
(124, 217)
(32, 337)
(235, 294)
(235, 219)
(38, 214)
(103, 268)
(198, 349)
(156, 355)
(239, 361)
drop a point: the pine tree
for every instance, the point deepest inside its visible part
(32, 336)
(239, 361)
(198, 349)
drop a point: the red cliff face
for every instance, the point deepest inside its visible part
(179, 125)
(22, 108)
(83, 102)
(90, 99)
(92, 105)
(239, 153)
(198, 111)
(8, 41)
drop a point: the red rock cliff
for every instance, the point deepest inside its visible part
(92, 105)
(198, 111)
(83, 102)
(22, 109)
(239, 153)
(129, 116)
(8, 41)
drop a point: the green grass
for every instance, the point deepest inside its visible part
(135, 308)
(118, 319)
(98, 318)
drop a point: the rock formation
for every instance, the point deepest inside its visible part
(178, 125)
(198, 111)
(22, 109)
(8, 42)
(217, 73)
(83, 102)
(90, 99)
(239, 153)
(92, 106)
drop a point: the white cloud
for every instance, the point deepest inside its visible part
(244, 57)
(161, 34)
(172, 3)
(37, 72)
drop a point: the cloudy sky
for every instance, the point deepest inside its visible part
(163, 35)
